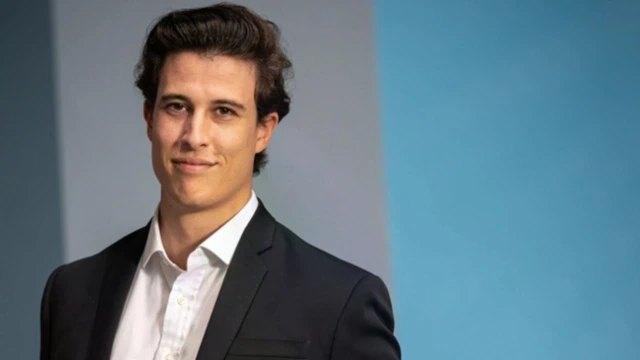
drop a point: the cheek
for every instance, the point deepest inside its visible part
(164, 136)
(235, 142)
(162, 143)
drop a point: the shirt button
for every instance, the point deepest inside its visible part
(168, 357)
(181, 301)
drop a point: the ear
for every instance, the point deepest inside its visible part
(265, 130)
(147, 112)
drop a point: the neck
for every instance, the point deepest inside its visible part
(183, 229)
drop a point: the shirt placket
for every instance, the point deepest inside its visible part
(181, 308)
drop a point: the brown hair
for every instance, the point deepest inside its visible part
(221, 29)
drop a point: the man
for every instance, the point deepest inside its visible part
(213, 275)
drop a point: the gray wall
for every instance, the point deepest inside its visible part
(29, 186)
(108, 185)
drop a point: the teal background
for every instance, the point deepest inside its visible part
(510, 140)
(30, 223)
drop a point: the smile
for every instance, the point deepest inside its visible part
(192, 166)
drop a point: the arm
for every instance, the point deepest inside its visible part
(45, 318)
(365, 328)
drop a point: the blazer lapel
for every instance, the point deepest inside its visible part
(242, 281)
(113, 293)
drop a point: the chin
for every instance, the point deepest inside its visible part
(190, 198)
(196, 201)
(199, 193)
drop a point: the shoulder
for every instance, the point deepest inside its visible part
(314, 256)
(317, 268)
(298, 264)
(85, 271)
(349, 302)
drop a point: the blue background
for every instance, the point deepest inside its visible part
(510, 134)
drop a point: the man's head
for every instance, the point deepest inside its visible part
(213, 80)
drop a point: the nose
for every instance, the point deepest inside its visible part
(195, 131)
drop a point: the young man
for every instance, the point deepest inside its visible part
(213, 275)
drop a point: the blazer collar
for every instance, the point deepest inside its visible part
(241, 283)
(123, 261)
(259, 232)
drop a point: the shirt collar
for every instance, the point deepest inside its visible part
(221, 243)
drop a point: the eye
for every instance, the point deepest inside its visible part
(175, 107)
(225, 111)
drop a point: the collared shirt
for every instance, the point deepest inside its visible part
(167, 308)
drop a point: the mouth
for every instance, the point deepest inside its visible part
(192, 166)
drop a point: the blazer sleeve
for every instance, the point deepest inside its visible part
(45, 318)
(365, 328)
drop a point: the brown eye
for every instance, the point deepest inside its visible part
(176, 107)
(225, 111)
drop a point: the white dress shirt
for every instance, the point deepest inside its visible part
(167, 308)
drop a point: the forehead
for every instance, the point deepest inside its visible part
(206, 77)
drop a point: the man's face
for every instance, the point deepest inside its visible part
(204, 131)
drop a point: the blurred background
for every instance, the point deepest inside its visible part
(482, 157)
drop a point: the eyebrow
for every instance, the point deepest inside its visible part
(227, 102)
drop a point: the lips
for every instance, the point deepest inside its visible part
(192, 165)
